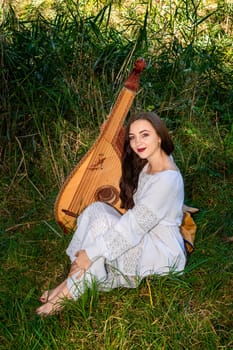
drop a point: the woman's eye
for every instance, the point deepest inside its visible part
(131, 138)
(145, 135)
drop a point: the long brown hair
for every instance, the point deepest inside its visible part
(132, 164)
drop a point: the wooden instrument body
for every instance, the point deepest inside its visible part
(96, 177)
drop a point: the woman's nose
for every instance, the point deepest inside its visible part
(138, 141)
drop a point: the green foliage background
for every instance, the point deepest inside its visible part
(63, 64)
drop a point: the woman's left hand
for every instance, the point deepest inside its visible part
(81, 264)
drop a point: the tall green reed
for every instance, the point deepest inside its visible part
(61, 75)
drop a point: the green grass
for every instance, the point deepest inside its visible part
(193, 311)
(61, 71)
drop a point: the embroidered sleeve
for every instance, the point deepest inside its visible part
(153, 202)
(129, 231)
(124, 235)
(116, 243)
(145, 217)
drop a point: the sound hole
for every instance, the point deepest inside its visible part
(108, 194)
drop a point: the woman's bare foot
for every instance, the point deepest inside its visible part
(50, 308)
(54, 304)
(52, 299)
(50, 294)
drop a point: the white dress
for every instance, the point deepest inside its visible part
(145, 240)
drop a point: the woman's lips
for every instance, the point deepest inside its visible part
(141, 149)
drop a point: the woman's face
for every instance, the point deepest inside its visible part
(143, 138)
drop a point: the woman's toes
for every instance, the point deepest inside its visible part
(44, 297)
(49, 308)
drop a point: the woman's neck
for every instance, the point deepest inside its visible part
(160, 163)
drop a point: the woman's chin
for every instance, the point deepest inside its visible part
(142, 156)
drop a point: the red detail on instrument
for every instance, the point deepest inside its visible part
(132, 82)
(70, 213)
(98, 164)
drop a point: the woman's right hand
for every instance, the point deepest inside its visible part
(73, 268)
(80, 264)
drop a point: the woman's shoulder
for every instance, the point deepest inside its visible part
(169, 178)
(170, 172)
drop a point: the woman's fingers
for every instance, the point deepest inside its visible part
(75, 268)
(80, 264)
(83, 260)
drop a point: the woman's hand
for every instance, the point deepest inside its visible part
(81, 264)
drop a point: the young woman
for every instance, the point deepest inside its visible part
(119, 250)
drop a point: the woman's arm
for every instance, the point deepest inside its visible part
(150, 208)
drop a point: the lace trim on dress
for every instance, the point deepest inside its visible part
(132, 259)
(145, 217)
(116, 244)
(115, 279)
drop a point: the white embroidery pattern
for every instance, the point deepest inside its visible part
(116, 244)
(131, 260)
(145, 217)
(115, 278)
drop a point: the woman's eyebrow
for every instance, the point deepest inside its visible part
(140, 132)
